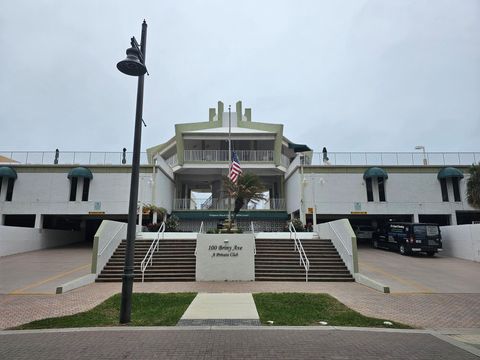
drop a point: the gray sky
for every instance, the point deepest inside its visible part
(352, 75)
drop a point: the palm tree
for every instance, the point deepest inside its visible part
(247, 188)
(473, 186)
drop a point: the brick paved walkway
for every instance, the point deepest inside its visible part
(421, 310)
(227, 344)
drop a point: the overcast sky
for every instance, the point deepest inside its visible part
(352, 75)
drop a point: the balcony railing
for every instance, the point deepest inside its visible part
(222, 155)
(71, 157)
(396, 158)
(222, 204)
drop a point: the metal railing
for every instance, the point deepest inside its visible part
(222, 204)
(254, 242)
(395, 158)
(200, 231)
(148, 259)
(303, 260)
(71, 158)
(222, 155)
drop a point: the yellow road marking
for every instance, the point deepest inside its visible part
(18, 291)
(403, 281)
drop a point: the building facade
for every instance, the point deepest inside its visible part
(76, 191)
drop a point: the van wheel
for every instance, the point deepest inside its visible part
(431, 253)
(403, 250)
(375, 244)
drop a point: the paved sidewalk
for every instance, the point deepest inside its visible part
(221, 309)
(215, 343)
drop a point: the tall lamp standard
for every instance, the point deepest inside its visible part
(421, 147)
(133, 65)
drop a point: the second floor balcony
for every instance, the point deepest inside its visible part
(222, 155)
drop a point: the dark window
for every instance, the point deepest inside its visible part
(73, 189)
(381, 188)
(86, 187)
(443, 185)
(10, 183)
(368, 183)
(456, 189)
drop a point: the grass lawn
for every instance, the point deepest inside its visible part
(299, 309)
(147, 310)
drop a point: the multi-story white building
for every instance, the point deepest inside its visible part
(75, 191)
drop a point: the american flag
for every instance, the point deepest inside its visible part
(235, 169)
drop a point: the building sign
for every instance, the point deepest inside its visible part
(224, 250)
(225, 257)
(97, 206)
(358, 212)
(96, 213)
(309, 210)
(357, 206)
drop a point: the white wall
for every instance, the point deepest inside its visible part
(462, 241)
(408, 191)
(14, 240)
(45, 190)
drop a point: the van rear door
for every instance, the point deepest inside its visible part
(427, 235)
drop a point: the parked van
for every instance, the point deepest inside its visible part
(410, 237)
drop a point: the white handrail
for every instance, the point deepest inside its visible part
(301, 252)
(342, 241)
(111, 239)
(148, 259)
(200, 231)
(254, 243)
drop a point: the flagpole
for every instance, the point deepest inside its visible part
(229, 161)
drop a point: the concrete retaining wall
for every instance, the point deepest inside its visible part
(15, 240)
(462, 241)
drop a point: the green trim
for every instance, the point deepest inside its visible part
(220, 215)
(298, 147)
(375, 172)
(8, 172)
(80, 172)
(449, 172)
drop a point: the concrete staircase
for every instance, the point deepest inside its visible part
(174, 261)
(276, 260)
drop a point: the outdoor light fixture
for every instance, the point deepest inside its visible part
(133, 65)
(421, 147)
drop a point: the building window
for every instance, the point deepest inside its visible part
(443, 186)
(381, 189)
(368, 183)
(456, 189)
(73, 189)
(86, 188)
(10, 183)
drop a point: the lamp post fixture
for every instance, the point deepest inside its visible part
(421, 147)
(133, 65)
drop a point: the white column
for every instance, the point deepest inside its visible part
(453, 218)
(2, 219)
(38, 221)
(415, 217)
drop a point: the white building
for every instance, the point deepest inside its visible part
(75, 191)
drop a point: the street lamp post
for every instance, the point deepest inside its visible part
(421, 147)
(133, 65)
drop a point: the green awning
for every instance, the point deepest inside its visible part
(449, 172)
(221, 215)
(298, 147)
(8, 172)
(80, 172)
(375, 172)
